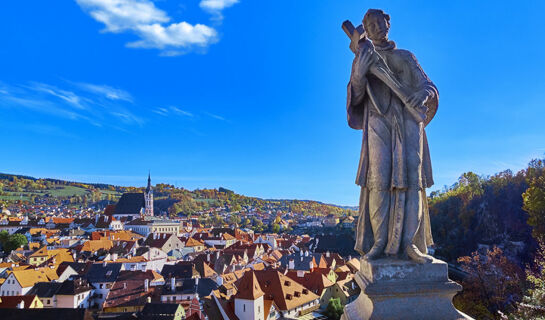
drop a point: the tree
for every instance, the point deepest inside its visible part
(334, 309)
(4, 237)
(234, 219)
(534, 204)
(275, 228)
(492, 284)
(532, 305)
(15, 241)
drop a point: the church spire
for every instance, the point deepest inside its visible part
(148, 189)
(148, 198)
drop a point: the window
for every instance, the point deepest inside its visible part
(244, 307)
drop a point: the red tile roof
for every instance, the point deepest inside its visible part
(248, 287)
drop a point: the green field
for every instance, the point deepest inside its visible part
(59, 191)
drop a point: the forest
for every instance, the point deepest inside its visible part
(494, 227)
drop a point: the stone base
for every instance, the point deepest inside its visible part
(400, 289)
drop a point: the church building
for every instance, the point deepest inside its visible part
(134, 205)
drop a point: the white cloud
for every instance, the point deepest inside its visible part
(152, 25)
(121, 15)
(175, 35)
(216, 5)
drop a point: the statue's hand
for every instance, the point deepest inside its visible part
(363, 61)
(418, 99)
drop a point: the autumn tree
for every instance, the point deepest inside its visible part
(492, 284)
(532, 305)
(534, 204)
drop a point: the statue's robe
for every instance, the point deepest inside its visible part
(407, 164)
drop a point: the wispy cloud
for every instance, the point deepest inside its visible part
(67, 96)
(172, 110)
(98, 105)
(181, 112)
(215, 116)
(161, 111)
(152, 25)
(107, 91)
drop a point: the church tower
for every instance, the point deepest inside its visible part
(148, 197)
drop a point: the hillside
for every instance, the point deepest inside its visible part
(503, 210)
(26, 189)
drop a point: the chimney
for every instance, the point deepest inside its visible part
(173, 284)
(146, 285)
(306, 253)
(291, 264)
(327, 254)
(104, 263)
(208, 257)
(21, 305)
(114, 257)
(124, 285)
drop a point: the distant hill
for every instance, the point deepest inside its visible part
(21, 188)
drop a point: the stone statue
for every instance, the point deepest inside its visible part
(391, 99)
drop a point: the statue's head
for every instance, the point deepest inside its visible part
(376, 24)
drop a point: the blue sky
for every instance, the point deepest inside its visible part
(251, 95)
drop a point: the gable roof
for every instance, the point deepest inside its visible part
(95, 245)
(314, 281)
(73, 287)
(286, 293)
(130, 203)
(179, 270)
(40, 253)
(98, 272)
(45, 289)
(27, 278)
(128, 292)
(13, 301)
(248, 287)
(202, 287)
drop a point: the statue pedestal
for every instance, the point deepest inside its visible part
(400, 289)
